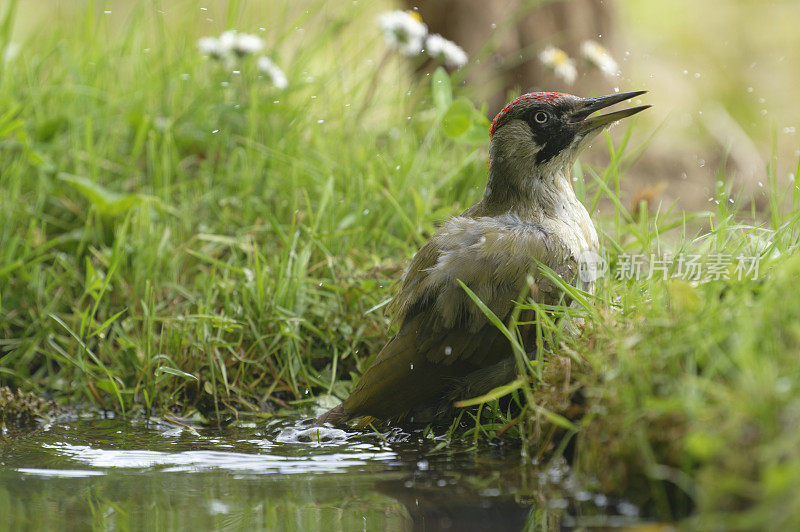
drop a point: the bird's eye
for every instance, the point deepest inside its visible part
(541, 117)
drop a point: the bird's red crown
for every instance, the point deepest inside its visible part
(538, 96)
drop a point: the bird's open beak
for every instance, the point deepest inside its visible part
(590, 105)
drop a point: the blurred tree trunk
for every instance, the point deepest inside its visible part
(517, 30)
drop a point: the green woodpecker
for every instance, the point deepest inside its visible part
(445, 348)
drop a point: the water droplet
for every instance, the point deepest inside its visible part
(448, 350)
(422, 465)
(320, 121)
(215, 131)
(411, 366)
(749, 89)
(365, 212)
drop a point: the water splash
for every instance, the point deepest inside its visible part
(315, 435)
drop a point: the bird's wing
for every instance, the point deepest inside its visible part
(444, 335)
(493, 256)
(404, 376)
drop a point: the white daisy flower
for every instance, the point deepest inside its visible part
(445, 51)
(227, 40)
(273, 71)
(560, 63)
(403, 31)
(212, 47)
(597, 56)
(246, 43)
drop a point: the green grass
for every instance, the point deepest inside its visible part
(691, 389)
(173, 235)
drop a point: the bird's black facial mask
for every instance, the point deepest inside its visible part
(550, 130)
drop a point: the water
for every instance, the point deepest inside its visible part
(112, 474)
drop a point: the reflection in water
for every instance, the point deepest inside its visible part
(196, 461)
(112, 474)
(435, 507)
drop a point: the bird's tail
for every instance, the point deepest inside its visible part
(335, 416)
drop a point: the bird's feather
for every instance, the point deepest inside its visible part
(491, 255)
(443, 335)
(405, 374)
